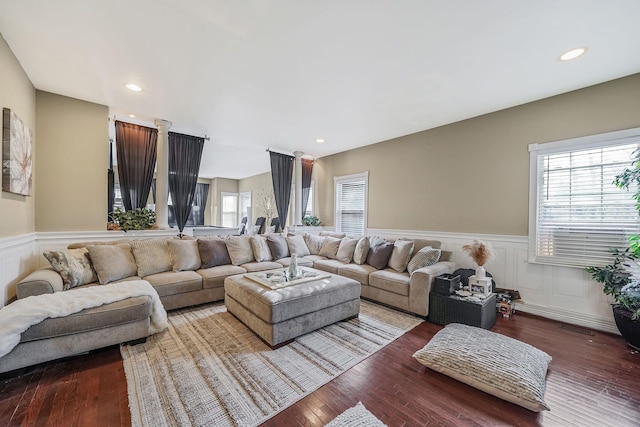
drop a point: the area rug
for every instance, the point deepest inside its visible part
(358, 416)
(208, 369)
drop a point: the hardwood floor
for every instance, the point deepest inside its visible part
(593, 380)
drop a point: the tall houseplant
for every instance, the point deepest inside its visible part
(621, 278)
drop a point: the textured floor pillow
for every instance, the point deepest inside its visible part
(496, 364)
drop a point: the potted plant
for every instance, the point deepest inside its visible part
(621, 278)
(135, 219)
(311, 220)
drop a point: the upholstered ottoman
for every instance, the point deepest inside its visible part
(279, 315)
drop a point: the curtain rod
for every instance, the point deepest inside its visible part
(143, 123)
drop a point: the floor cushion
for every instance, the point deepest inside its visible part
(494, 363)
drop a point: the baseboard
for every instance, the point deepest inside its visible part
(580, 319)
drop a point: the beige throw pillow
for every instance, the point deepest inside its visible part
(423, 258)
(260, 247)
(361, 251)
(297, 245)
(402, 250)
(314, 243)
(74, 266)
(330, 247)
(240, 250)
(346, 249)
(184, 254)
(112, 262)
(152, 256)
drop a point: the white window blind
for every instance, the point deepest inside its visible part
(580, 215)
(229, 209)
(351, 203)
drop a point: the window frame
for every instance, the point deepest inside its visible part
(536, 150)
(224, 194)
(338, 181)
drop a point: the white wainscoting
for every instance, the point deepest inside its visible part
(561, 293)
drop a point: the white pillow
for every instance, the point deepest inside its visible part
(361, 251)
(297, 245)
(346, 249)
(424, 257)
(260, 248)
(402, 250)
(314, 243)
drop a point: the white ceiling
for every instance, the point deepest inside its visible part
(279, 74)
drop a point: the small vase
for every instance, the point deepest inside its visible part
(293, 266)
(480, 272)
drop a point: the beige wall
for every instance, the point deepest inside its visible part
(72, 173)
(262, 201)
(473, 176)
(18, 94)
(219, 185)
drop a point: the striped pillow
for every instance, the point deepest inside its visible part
(152, 256)
(424, 257)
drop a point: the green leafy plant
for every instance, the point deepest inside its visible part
(136, 219)
(310, 220)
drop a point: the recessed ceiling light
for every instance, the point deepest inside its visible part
(320, 141)
(134, 87)
(133, 116)
(573, 54)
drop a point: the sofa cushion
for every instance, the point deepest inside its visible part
(330, 247)
(213, 252)
(314, 243)
(240, 250)
(261, 251)
(172, 282)
(79, 245)
(184, 254)
(379, 253)
(361, 251)
(333, 234)
(297, 245)
(278, 246)
(357, 272)
(214, 277)
(314, 258)
(152, 256)
(496, 364)
(424, 257)
(73, 265)
(402, 250)
(346, 249)
(329, 265)
(423, 243)
(112, 262)
(390, 280)
(260, 266)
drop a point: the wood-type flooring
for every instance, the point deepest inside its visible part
(593, 380)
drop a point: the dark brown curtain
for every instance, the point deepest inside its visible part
(136, 151)
(185, 153)
(281, 176)
(307, 168)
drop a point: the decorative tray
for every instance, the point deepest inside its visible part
(276, 279)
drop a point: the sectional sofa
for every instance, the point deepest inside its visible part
(188, 271)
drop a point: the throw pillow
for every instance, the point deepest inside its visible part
(361, 251)
(297, 245)
(330, 247)
(112, 262)
(379, 253)
(402, 250)
(496, 364)
(278, 246)
(184, 254)
(74, 266)
(346, 249)
(423, 258)
(152, 256)
(260, 247)
(213, 252)
(314, 243)
(240, 250)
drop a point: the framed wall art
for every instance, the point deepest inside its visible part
(16, 154)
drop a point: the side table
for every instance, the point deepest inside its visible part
(445, 309)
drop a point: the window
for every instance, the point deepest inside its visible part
(245, 204)
(351, 203)
(308, 210)
(576, 213)
(229, 209)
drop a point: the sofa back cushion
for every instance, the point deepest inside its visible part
(423, 243)
(332, 234)
(361, 251)
(73, 265)
(184, 254)
(213, 252)
(346, 249)
(379, 253)
(278, 246)
(152, 256)
(423, 258)
(402, 251)
(330, 247)
(314, 243)
(297, 245)
(112, 262)
(261, 251)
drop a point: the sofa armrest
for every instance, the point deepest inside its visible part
(43, 281)
(420, 285)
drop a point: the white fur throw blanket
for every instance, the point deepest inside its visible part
(20, 315)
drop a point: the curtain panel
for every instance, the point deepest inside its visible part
(136, 153)
(281, 176)
(185, 153)
(307, 168)
(199, 203)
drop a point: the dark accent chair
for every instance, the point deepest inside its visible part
(260, 224)
(243, 225)
(275, 222)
